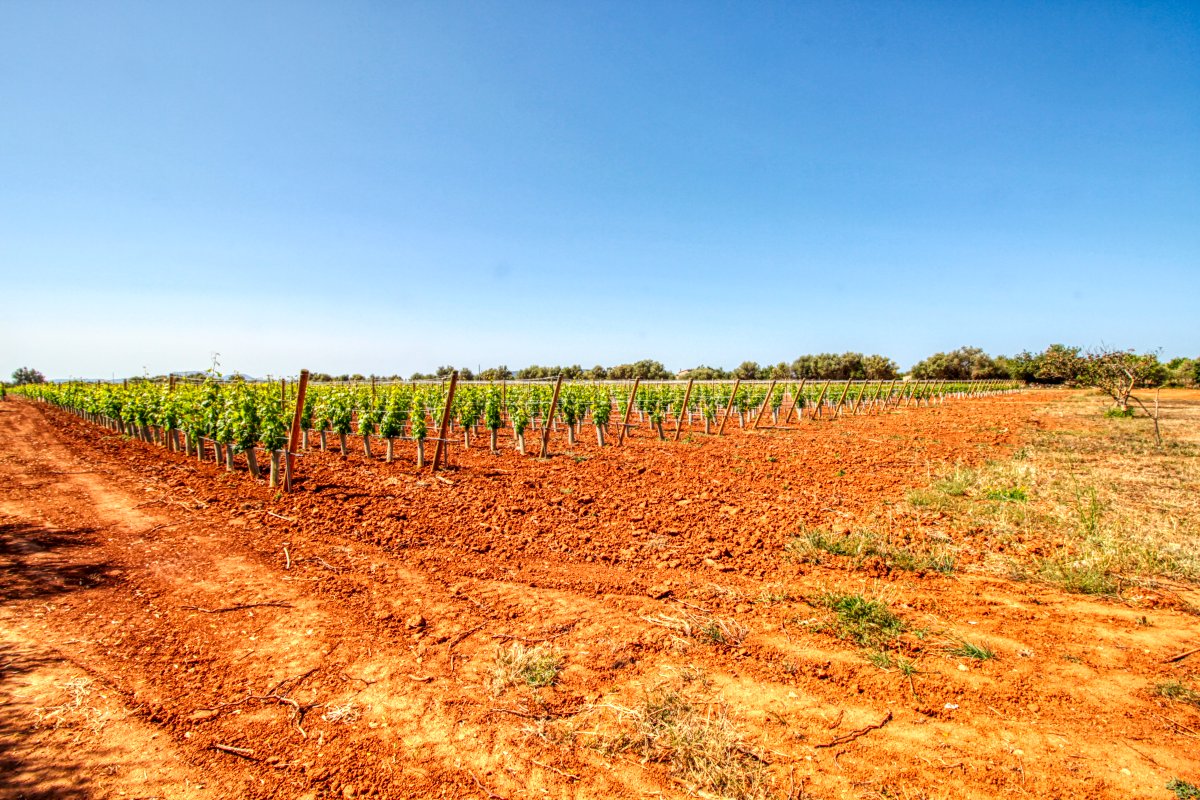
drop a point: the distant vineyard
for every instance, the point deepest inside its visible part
(229, 418)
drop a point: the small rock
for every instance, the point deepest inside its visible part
(658, 591)
(202, 715)
(415, 622)
(962, 667)
(348, 790)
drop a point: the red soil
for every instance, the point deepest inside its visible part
(155, 608)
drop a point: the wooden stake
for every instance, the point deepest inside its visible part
(283, 395)
(887, 401)
(858, 399)
(729, 408)
(845, 390)
(444, 428)
(820, 397)
(687, 395)
(628, 411)
(294, 436)
(765, 405)
(796, 398)
(544, 452)
(912, 393)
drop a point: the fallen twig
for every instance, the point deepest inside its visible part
(516, 713)
(281, 516)
(243, 607)
(486, 790)
(852, 735)
(287, 557)
(164, 525)
(691, 605)
(1181, 656)
(529, 715)
(746, 751)
(148, 503)
(459, 638)
(237, 751)
(446, 481)
(534, 640)
(555, 769)
(293, 681)
(346, 677)
(1140, 753)
(1178, 725)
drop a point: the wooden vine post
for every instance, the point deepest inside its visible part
(874, 398)
(817, 405)
(169, 435)
(765, 405)
(294, 435)
(912, 393)
(797, 398)
(858, 400)
(628, 411)
(544, 452)
(444, 428)
(729, 408)
(887, 401)
(687, 395)
(283, 395)
(875, 401)
(842, 398)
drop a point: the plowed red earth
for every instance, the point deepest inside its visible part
(170, 630)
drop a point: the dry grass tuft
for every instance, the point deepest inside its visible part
(76, 710)
(696, 740)
(703, 627)
(517, 664)
(346, 714)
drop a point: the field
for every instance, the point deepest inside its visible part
(990, 596)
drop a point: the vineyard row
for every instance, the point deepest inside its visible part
(278, 419)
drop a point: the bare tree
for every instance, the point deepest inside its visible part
(1118, 373)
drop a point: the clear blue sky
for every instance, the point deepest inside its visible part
(386, 187)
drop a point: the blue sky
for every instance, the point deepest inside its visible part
(386, 187)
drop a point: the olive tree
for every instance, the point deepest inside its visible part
(23, 375)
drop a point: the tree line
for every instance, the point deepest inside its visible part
(1057, 364)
